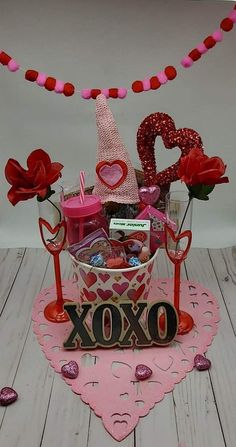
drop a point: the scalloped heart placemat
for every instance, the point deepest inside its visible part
(113, 370)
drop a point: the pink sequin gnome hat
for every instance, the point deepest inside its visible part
(115, 179)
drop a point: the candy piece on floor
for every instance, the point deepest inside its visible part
(7, 396)
(142, 372)
(201, 363)
(70, 370)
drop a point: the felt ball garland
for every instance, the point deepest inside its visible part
(50, 83)
(210, 41)
(7, 60)
(153, 83)
(109, 93)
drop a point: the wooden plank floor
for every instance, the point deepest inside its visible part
(199, 413)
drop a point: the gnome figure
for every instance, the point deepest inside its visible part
(116, 182)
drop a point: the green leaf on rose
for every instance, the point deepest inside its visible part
(200, 191)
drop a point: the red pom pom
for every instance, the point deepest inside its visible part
(227, 24)
(31, 75)
(209, 42)
(155, 83)
(69, 89)
(95, 92)
(113, 92)
(4, 58)
(170, 72)
(137, 86)
(50, 83)
(195, 54)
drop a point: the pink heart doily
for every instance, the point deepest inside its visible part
(106, 378)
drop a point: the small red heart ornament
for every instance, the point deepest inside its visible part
(112, 174)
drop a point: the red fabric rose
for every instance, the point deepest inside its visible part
(35, 181)
(197, 168)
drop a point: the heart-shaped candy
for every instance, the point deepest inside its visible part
(7, 396)
(142, 372)
(112, 174)
(70, 370)
(201, 362)
(161, 124)
(149, 194)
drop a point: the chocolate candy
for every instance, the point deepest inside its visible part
(7, 396)
(134, 261)
(70, 370)
(97, 260)
(142, 372)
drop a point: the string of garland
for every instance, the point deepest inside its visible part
(153, 83)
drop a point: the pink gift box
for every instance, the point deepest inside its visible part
(158, 219)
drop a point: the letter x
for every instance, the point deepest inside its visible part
(79, 331)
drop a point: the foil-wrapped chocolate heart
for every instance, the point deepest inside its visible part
(70, 370)
(7, 396)
(149, 194)
(201, 362)
(142, 372)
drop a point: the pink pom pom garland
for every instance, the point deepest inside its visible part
(138, 86)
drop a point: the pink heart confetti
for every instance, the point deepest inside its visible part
(70, 370)
(201, 362)
(142, 372)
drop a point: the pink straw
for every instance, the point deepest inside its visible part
(82, 185)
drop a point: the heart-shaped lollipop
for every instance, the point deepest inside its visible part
(161, 124)
(149, 194)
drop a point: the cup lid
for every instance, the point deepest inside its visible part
(73, 207)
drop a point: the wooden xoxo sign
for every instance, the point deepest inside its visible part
(123, 324)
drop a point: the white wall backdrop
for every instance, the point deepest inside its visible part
(105, 43)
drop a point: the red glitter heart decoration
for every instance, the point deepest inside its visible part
(161, 124)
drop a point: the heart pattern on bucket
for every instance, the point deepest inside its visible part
(114, 369)
(120, 288)
(134, 295)
(89, 278)
(105, 294)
